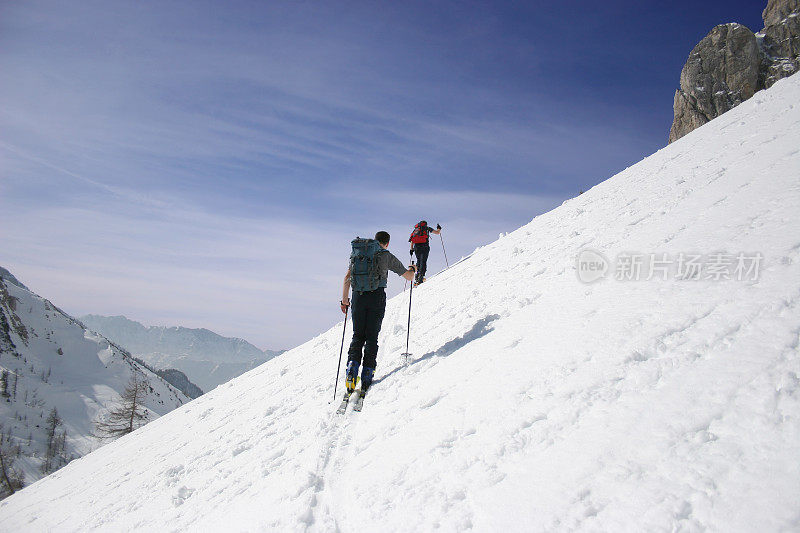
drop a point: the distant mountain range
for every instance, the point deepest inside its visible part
(206, 358)
(51, 364)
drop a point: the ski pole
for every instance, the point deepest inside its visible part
(408, 328)
(338, 368)
(405, 284)
(445, 253)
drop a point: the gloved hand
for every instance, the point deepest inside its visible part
(438, 227)
(411, 252)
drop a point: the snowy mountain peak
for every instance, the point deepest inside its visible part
(8, 276)
(663, 396)
(207, 358)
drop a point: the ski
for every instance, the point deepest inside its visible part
(359, 401)
(345, 400)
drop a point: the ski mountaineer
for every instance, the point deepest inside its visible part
(420, 245)
(368, 274)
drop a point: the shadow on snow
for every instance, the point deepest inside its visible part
(481, 328)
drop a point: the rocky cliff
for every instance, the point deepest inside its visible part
(731, 63)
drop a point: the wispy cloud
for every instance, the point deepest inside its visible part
(207, 165)
(263, 278)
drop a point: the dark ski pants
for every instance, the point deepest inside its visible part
(422, 250)
(368, 309)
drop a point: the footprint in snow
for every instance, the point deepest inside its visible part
(184, 493)
(431, 402)
(241, 447)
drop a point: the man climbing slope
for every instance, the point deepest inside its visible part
(420, 245)
(370, 262)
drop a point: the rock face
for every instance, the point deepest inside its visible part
(721, 73)
(780, 40)
(731, 63)
(777, 10)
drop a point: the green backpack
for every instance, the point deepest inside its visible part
(364, 276)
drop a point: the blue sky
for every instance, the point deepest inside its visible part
(206, 163)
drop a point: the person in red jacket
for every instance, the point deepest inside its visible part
(421, 247)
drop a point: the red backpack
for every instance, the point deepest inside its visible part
(420, 233)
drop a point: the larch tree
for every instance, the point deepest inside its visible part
(130, 414)
(11, 478)
(55, 455)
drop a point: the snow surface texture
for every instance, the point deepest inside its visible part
(52, 361)
(532, 402)
(206, 358)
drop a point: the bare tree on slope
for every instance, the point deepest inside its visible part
(55, 456)
(129, 415)
(11, 478)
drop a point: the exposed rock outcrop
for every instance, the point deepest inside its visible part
(780, 40)
(178, 379)
(777, 10)
(721, 73)
(731, 63)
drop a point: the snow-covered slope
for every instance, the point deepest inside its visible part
(8, 276)
(53, 362)
(207, 359)
(533, 402)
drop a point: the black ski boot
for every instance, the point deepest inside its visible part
(366, 381)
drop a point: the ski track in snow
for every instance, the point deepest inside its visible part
(532, 402)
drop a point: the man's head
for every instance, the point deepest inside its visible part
(383, 238)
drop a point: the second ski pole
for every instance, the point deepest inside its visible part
(406, 354)
(341, 350)
(444, 252)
